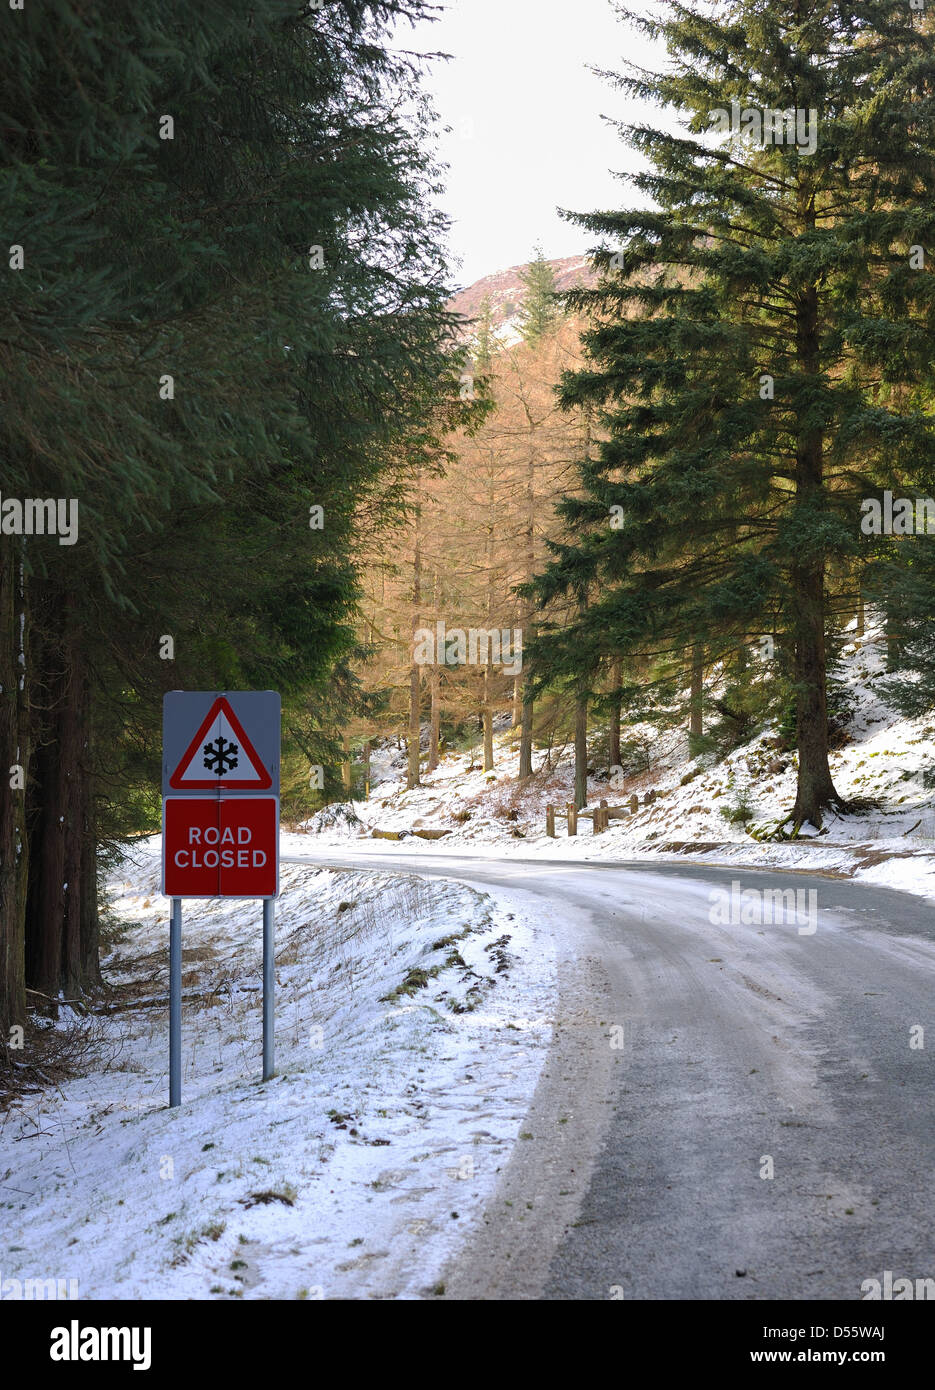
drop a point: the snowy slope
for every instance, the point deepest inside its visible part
(351, 1173)
(884, 760)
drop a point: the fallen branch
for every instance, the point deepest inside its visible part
(53, 1000)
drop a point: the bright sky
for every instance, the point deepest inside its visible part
(527, 135)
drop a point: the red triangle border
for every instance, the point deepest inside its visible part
(221, 706)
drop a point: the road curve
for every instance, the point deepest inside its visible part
(729, 1110)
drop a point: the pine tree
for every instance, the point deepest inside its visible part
(540, 308)
(484, 341)
(212, 334)
(751, 357)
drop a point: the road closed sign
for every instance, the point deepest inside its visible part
(220, 788)
(220, 826)
(221, 848)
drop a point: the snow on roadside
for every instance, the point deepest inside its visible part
(412, 1020)
(702, 808)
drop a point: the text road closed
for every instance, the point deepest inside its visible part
(221, 848)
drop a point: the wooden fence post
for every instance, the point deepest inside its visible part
(571, 811)
(634, 804)
(550, 821)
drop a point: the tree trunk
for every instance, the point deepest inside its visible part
(346, 764)
(487, 721)
(414, 750)
(61, 908)
(14, 754)
(892, 651)
(87, 898)
(615, 672)
(526, 706)
(696, 717)
(436, 716)
(486, 711)
(525, 732)
(45, 908)
(815, 790)
(581, 751)
(367, 767)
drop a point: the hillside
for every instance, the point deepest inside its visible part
(715, 809)
(505, 290)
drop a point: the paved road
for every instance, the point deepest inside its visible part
(692, 1057)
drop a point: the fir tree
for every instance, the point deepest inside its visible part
(540, 308)
(221, 321)
(753, 358)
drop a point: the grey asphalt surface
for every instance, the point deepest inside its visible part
(741, 1045)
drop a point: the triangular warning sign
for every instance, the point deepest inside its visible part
(221, 755)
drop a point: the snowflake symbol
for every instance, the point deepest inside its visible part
(220, 756)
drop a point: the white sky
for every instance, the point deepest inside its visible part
(527, 135)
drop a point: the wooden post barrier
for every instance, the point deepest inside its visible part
(634, 804)
(601, 816)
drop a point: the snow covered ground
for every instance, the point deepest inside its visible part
(412, 1020)
(885, 759)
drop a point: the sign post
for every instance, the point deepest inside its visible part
(220, 826)
(269, 984)
(175, 1004)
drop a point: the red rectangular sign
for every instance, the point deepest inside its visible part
(224, 847)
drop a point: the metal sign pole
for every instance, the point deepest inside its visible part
(175, 1004)
(269, 984)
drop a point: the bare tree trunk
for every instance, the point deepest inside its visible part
(615, 673)
(87, 902)
(486, 711)
(14, 755)
(436, 716)
(61, 908)
(525, 738)
(696, 708)
(892, 639)
(346, 764)
(413, 743)
(815, 790)
(525, 688)
(581, 750)
(45, 904)
(367, 750)
(414, 750)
